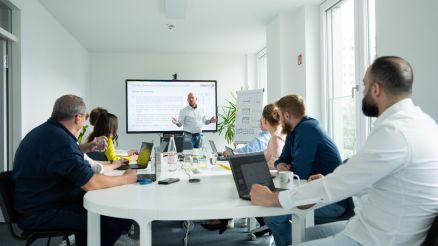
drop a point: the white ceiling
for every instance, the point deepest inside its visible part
(226, 26)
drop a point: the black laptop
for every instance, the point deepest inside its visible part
(144, 156)
(249, 169)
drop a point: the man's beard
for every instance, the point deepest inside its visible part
(287, 128)
(369, 108)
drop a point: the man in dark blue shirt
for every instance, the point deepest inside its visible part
(308, 150)
(51, 176)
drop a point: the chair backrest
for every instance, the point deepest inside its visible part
(97, 155)
(432, 234)
(6, 197)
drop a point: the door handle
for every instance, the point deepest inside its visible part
(353, 89)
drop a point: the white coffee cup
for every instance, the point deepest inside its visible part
(286, 177)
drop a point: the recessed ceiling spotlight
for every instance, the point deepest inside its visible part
(170, 26)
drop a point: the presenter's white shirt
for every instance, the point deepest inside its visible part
(396, 170)
(192, 119)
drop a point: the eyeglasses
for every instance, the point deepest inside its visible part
(85, 115)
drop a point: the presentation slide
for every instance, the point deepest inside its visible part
(151, 104)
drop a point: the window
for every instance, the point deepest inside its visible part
(348, 45)
(6, 40)
(262, 73)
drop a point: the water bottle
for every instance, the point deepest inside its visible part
(172, 156)
(203, 161)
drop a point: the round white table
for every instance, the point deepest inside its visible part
(214, 197)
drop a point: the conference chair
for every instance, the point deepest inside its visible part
(349, 212)
(432, 234)
(11, 216)
(97, 155)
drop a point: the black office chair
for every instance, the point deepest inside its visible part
(97, 155)
(11, 216)
(349, 212)
(432, 234)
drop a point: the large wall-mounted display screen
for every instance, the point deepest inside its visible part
(151, 104)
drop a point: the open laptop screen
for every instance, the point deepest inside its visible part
(145, 153)
(213, 146)
(249, 169)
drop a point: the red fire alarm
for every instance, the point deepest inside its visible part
(300, 59)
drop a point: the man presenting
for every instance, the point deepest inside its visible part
(51, 177)
(394, 174)
(192, 118)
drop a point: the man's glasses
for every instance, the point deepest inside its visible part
(85, 115)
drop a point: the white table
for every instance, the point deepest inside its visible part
(214, 197)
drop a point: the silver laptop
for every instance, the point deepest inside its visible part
(249, 169)
(230, 151)
(157, 165)
(219, 155)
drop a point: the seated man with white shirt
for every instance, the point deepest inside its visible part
(395, 172)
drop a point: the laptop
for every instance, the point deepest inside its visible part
(249, 169)
(219, 155)
(157, 170)
(230, 151)
(144, 156)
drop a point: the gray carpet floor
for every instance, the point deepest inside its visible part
(166, 233)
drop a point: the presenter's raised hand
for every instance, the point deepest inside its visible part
(213, 119)
(174, 120)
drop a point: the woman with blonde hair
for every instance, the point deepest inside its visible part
(271, 120)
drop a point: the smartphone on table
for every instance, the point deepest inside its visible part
(168, 181)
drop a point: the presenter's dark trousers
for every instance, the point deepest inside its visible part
(74, 218)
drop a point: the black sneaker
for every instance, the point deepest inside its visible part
(258, 232)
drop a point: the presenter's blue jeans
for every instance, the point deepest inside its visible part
(196, 138)
(282, 229)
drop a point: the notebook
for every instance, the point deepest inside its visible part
(144, 156)
(249, 169)
(157, 170)
(219, 155)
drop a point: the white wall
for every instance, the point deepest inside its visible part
(53, 63)
(108, 72)
(273, 55)
(408, 29)
(288, 35)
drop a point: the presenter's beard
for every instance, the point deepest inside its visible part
(369, 108)
(287, 128)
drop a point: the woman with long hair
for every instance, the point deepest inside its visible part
(271, 120)
(107, 125)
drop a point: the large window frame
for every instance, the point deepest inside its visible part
(364, 45)
(8, 44)
(262, 73)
